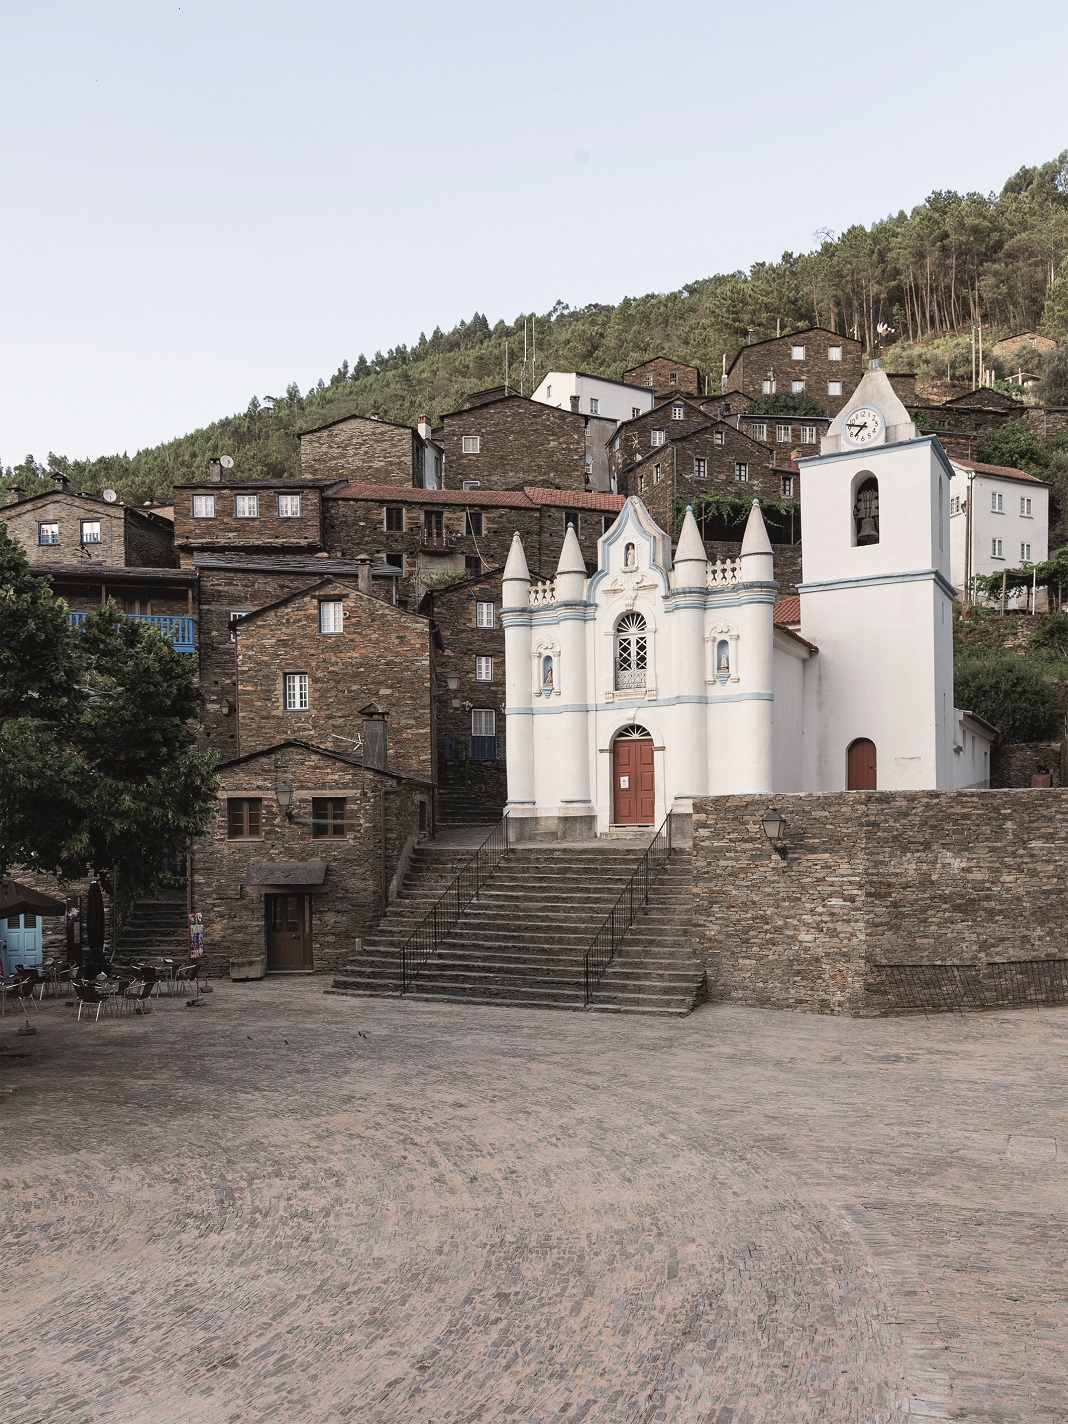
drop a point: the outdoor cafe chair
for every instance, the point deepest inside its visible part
(9, 989)
(28, 981)
(189, 974)
(135, 996)
(88, 994)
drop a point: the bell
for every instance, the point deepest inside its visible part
(868, 532)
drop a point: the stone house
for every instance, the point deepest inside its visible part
(252, 515)
(308, 845)
(469, 698)
(59, 529)
(816, 362)
(1024, 347)
(651, 431)
(598, 396)
(785, 434)
(307, 664)
(506, 441)
(665, 377)
(360, 447)
(714, 459)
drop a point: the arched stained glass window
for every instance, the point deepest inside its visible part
(632, 652)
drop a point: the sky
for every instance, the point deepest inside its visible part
(205, 201)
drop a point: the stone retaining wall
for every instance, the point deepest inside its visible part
(967, 878)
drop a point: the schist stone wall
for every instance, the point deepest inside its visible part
(472, 779)
(383, 821)
(278, 516)
(89, 529)
(874, 878)
(381, 655)
(665, 377)
(708, 461)
(359, 448)
(647, 433)
(519, 442)
(774, 359)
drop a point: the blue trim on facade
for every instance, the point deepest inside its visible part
(807, 461)
(875, 580)
(637, 706)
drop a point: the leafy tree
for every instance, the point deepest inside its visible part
(786, 403)
(97, 762)
(1014, 444)
(1011, 693)
(1052, 388)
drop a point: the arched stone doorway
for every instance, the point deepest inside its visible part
(633, 778)
(861, 766)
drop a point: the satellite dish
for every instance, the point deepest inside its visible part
(110, 496)
(226, 461)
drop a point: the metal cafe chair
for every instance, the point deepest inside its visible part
(135, 996)
(88, 994)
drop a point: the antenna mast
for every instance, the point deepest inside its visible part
(506, 365)
(523, 377)
(534, 364)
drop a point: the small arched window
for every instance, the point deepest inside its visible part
(866, 512)
(632, 652)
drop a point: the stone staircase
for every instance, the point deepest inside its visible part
(523, 940)
(155, 927)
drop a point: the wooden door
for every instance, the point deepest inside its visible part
(21, 939)
(633, 784)
(860, 766)
(288, 931)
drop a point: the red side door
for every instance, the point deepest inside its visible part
(860, 766)
(633, 782)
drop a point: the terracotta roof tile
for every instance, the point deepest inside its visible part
(787, 610)
(576, 499)
(404, 494)
(1006, 470)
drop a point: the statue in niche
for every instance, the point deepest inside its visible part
(547, 673)
(723, 660)
(629, 557)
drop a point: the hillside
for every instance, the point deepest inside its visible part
(930, 274)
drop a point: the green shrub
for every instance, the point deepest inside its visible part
(1010, 693)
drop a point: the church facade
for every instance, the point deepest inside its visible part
(656, 679)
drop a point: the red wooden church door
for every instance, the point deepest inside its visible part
(633, 785)
(860, 766)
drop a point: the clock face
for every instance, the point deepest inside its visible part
(863, 425)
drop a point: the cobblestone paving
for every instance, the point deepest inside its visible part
(285, 1206)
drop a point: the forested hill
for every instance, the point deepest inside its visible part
(929, 274)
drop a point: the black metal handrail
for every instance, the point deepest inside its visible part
(436, 924)
(624, 912)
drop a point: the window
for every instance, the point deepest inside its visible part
(90, 531)
(548, 392)
(48, 531)
(571, 520)
(641, 483)
(484, 615)
(595, 405)
(296, 691)
(202, 506)
(700, 467)
(656, 474)
(834, 388)
(782, 434)
(834, 353)
(866, 513)
(657, 437)
(331, 615)
(741, 470)
(797, 353)
(677, 412)
(395, 560)
(1025, 510)
(1025, 553)
(483, 734)
(995, 549)
(797, 386)
(472, 565)
(607, 520)
(234, 618)
(328, 817)
(787, 486)
(483, 669)
(394, 519)
(473, 523)
(767, 386)
(433, 527)
(632, 652)
(289, 506)
(472, 484)
(758, 430)
(471, 444)
(246, 506)
(718, 437)
(997, 503)
(673, 378)
(808, 435)
(587, 465)
(635, 411)
(243, 819)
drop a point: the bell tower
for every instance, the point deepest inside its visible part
(877, 601)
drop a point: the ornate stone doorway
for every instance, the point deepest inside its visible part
(633, 779)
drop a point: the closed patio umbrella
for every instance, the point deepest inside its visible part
(16, 900)
(94, 928)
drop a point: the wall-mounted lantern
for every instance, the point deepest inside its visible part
(453, 680)
(283, 794)
(774, 827)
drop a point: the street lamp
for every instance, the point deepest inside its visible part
(774, 827)
(283, 794)
(453, 680)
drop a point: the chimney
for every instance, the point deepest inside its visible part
(14, 494)
(574, 403)
(59, 484)
(215, 470)
(364, 565)
(374, 736)
(424, 427)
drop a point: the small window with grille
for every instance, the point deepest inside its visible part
(328, 817)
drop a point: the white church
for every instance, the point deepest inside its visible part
(658, 680)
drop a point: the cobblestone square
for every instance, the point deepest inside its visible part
(286, 1206)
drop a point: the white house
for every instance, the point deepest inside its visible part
(657, 680)
(594, 395)
(998, 519)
